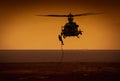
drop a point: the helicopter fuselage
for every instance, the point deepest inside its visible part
(70, 28)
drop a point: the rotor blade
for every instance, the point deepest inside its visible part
(70, 15)
(85, 14)
(54, 15)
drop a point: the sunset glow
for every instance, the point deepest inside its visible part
(21, 29)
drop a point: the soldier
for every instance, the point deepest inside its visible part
(60, 39)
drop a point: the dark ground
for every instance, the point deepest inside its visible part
(51, 71)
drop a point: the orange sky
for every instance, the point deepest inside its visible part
(21, 29)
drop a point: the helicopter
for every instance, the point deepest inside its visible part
(70, 28)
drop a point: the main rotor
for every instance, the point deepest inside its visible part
(70, 16)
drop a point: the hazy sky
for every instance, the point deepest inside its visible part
(21, 29)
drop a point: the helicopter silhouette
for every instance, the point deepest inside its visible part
(70, 28)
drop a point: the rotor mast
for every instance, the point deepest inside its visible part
(70, 18)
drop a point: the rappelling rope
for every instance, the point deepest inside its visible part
(61, 59)
(62, 55)
(58, 67)
(60, 39)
